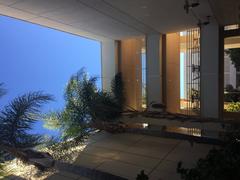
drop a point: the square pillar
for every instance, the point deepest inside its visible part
(109, 64)
(154, 69)
(209, 64)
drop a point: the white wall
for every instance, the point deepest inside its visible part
(154, 76)
(210, 71)
(108, 63)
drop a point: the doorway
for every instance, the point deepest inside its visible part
(190, 71)
(231, 72)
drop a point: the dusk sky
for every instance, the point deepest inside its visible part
(36, 58)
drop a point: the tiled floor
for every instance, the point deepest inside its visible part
(66, 176)
(126, 155)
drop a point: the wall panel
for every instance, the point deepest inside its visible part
(130, 66)
(173, 72)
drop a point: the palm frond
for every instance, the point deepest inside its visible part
(86, 104)
(18, 117)
(52, 120)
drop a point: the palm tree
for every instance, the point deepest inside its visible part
(16, 119)
(88, 107)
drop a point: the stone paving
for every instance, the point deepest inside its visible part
(126, 155)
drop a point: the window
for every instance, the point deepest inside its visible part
(144, 72)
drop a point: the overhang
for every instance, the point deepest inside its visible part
(118, 19)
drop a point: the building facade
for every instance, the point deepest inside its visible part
(169, 52)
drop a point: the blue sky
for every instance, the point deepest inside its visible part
(182, 82)
(36, 58)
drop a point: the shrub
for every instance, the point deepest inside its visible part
(233, 107)
(229, 88)
(220, 164)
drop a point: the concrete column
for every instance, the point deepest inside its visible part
(210, 57)
(109, 68)
(154, 74)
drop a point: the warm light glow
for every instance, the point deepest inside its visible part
(145, 125)
(231, 27)
(183, 130)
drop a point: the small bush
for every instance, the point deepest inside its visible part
(233, 107)
(220, 164)
(233, 96)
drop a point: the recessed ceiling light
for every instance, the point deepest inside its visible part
(144, 7)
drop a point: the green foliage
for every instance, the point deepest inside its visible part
(79, 94)
(231, 94)
(220, 164)
(107, 106)
(47, 141)
(118, 90)
(235, 56)
(85, 104)
(233, 107)
(142, 176)
(17, 119)
(52, 120)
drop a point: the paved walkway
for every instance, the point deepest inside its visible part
(126, 155)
